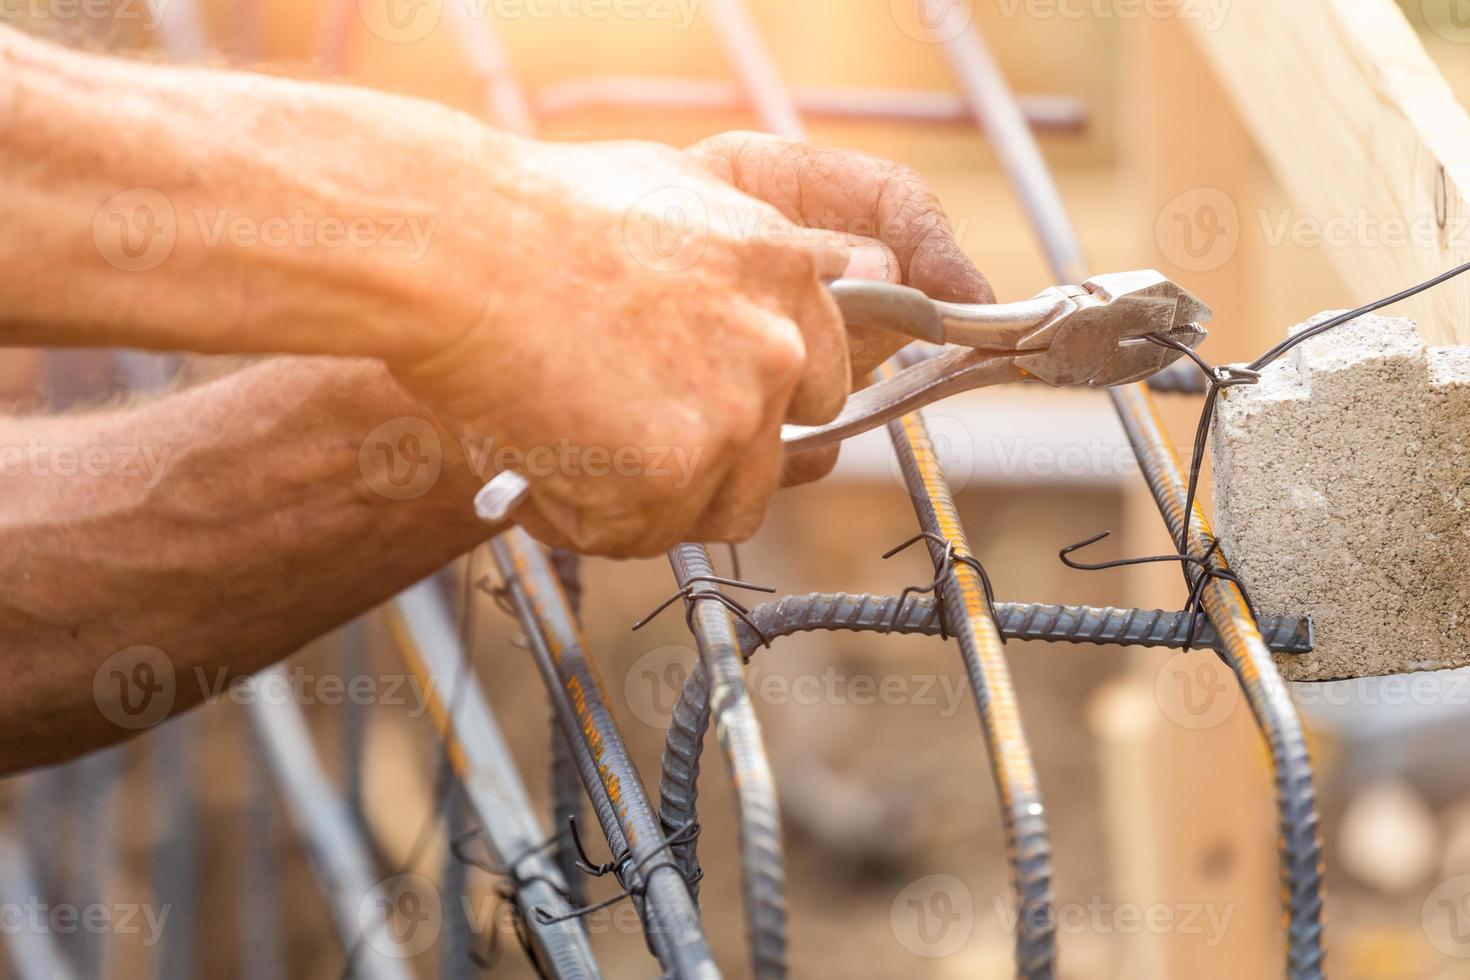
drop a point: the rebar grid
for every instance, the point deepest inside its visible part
(1301, 852)
(1028, 848)
(671, 921)
(590, 747)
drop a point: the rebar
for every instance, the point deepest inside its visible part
(1028, 847)
(1016, 621)
(424, 630)
(628, 821)
(995, 107)
(566, 784)
(337, 852)
(762, 863)
(1299, 842)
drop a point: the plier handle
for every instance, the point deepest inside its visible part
(1110, 330)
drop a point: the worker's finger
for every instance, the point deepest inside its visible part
(850, 191)
(534, 523)
(809, 466)
(740, 505)
(826, 375)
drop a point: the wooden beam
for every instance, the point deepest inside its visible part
(1363, 132)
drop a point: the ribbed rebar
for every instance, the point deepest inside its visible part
(678, 788)
(1300, 843)
(566, 784)
(763, 876)
(628, 821)
(421, 623)
(1301, 854)
(1023, 815)
(1016, 621)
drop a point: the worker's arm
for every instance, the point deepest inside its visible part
(224, 526)
(621, 298)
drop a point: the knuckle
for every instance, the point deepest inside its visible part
(783, 355)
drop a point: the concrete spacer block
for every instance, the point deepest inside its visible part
(1342, 491)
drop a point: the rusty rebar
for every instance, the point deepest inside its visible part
(629, 822)
(763, 875)
(1016, 620)
(995, 107)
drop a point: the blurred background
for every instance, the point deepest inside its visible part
(1154, 775)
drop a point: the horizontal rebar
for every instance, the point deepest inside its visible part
(1016, 620)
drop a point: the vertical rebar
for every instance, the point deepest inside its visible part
(1301, 854)
(761, 858)
(670, 919)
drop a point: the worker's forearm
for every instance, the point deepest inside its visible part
(161, 207)
(225, 525)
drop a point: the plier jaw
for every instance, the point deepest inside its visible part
(1097, 335)
(1092, 334)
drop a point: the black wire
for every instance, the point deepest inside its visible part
(1218, 378)
(1342, 318)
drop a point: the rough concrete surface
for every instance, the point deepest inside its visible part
(1342, 482)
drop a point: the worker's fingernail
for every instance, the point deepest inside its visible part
(870, 262)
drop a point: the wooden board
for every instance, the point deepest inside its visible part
(1364, 133)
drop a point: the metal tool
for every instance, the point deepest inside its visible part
(1097, 334)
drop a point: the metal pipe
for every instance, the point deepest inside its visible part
(1045, 113)
(670, 918)
(762, 862)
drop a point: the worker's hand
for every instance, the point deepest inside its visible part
(647, 331)
(885, 211)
